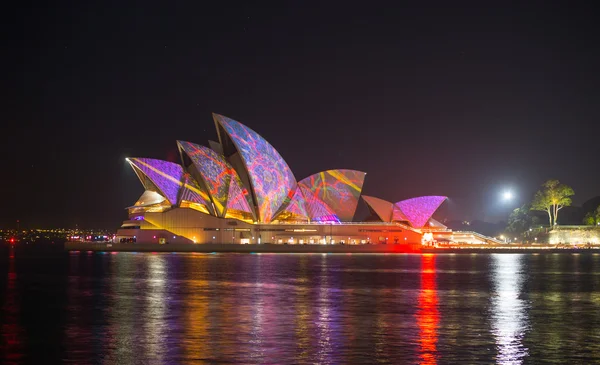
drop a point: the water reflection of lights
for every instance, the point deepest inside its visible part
(258, 332)
(123, 324)
(509, 317)
(196, 344)
(302, 311)
(427, 313)
(382, 329)
(324, 344)
(156, 301)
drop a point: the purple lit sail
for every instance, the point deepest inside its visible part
(270, 176)
(166, 176)
(419, 210)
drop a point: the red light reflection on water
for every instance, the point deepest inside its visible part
(11, 332)
(428, 316)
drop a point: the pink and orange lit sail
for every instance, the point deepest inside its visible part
(338, 189)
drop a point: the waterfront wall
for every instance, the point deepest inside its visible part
(237, 248)
(574, 235)
(308, 249)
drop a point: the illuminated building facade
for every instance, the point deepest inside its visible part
(240, 190)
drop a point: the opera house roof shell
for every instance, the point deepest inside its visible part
(242, 176)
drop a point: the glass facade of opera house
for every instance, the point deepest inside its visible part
(240, 190)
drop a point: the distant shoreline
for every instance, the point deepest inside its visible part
(278, 248)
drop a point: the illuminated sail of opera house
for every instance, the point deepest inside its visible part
(240, 190)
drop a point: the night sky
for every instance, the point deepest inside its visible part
(458, 100)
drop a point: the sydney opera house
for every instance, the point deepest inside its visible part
(240, 190)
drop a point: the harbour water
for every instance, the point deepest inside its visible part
(125, 308)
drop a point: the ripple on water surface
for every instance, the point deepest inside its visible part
(284, 309)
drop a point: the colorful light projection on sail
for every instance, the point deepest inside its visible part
(270, 176)
(215, 171)
(238, 197)
(169, 178)
(338, 189)
(419, 210)
(192, 193)
(297, 205)
(295, 209)
(166, 176)
(317, 210)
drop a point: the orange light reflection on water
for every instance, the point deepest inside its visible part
(428, 316)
